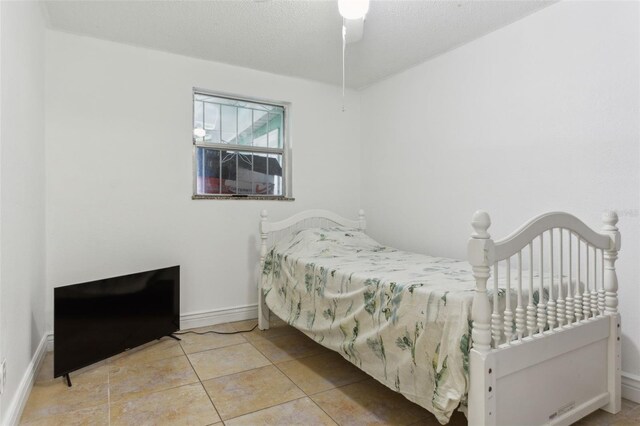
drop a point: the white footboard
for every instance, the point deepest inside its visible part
(547, 350)
(555, 358)
(275, 231)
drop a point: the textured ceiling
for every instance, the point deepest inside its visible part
(295, 37)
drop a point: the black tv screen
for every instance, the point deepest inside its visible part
(99, 319)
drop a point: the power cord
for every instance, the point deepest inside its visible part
(216, 332)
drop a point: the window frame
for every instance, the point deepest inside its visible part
(285, 151)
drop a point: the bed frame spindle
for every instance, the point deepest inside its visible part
(508, 314)
(496, 318)
(551, 306)
(531, 308)
(594, 291)
(601, 289)
(586, 296)
(578, 296)
(561, 303)
(520, 318)
(542, 313)
(570, 308)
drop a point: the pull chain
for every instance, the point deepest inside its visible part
(344, 48)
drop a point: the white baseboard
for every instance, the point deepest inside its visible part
(631, 387)
(218, 316)
(17, 404)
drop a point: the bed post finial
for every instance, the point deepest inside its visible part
(480, 250)
(480, 223)
(362, 224)
(610, 219)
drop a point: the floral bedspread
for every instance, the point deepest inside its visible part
(404, 318)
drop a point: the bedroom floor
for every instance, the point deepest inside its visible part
(277, 377)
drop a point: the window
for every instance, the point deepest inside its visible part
(239, 147)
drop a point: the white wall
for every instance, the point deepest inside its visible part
(22, 240)
(119, 168)
(540, 115)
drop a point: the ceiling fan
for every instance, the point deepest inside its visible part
(353, 13)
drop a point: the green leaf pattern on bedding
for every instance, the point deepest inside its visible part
(377, 347)
(404, 318)
(379, 307)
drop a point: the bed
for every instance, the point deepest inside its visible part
(526, 331)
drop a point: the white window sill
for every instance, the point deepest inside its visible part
(243, 197)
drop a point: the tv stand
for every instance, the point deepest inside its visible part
(68, 378)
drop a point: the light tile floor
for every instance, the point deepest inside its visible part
(274, 377)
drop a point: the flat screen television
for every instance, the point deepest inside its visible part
(99, 319)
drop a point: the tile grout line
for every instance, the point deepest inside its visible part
(323, 410)
(341, 386)
(265, 408)
(217, 347)
(289, 378)
(262, 353)
(200, 381)
(306, 395)
(271, 363)
(310, 396)
(237, 372)
(213, 349)
(260, 409)
(231, 374)
(287, 360)
(145, 393)
(327, 390)
(141, 393)
(177, 356)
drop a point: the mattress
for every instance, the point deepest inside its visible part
(403, 318)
